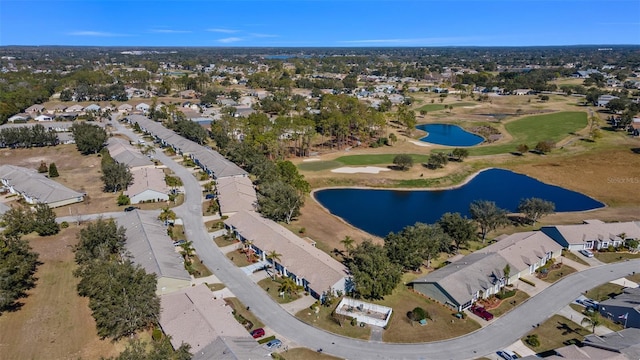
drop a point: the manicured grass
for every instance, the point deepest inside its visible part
(222, 241)
(238, 259)
(241, 310)
(324, 320)
(556, 332)
(611, 257)
(216, 286)
(510, 303)
(571, 256)
(613, 325)
(304, 354)
(271, 287)
(199, 269)
(377, 159)
(319, 165)
(604, 291)
(635, 278)
(533, 129)
(438, 107)
(443, 323)
(557, 274)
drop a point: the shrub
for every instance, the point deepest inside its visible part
(64, 224)
(43, 168)
(157, 334)
(533, 340)
(123, 200)
(527, 282)
(354, 321)
(53, 170)
(506, 294)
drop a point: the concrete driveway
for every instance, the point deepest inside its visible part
(501, 333)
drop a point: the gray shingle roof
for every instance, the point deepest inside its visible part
(35, 185)
(123, 152)
(236, 194)
(232, 348)
(150, 246)
(625, 341)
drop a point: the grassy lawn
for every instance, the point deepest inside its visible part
(216, 286)
(615, 326)
(444, 324)
(176, 232)
(241, 310)
(198, 268)
(222, 241)
(510, 303)
(611, 257)
(303, 354)
(556, 332)
(604, 291)
(324, 320)
(635, 277)
(319, 165)
(438, 107)
(271, 287)
(571, 256)
(557, 274)
(533, 129)
(377, 159)
(238, 258)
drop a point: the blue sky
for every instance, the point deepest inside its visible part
(343, 23)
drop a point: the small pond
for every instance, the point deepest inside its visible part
(450, 135)
(379, 212)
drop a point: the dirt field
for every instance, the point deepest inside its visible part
(54, 323)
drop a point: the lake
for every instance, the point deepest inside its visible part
(450, 135)
(379, 212)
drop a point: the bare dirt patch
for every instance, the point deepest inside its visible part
(54, 322)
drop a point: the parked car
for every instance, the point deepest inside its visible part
(507, 354)
(586, 253)
(257, 333)
(131, 208)
(210, 196)
(179, 242)
(588, 303)
(273, 344)
(482, 312)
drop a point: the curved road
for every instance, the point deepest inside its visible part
(501, 333)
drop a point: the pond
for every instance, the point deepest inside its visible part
(450, 135)
(379, 212)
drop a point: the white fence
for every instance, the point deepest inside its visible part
(367, 313)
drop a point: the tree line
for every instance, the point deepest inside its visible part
(27, 137)
(377, 269)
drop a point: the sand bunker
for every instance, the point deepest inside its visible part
(419, 143)
(314, 159)
(355, 170)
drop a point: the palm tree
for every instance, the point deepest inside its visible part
(288, 285)
(506, 271)
(347, 242)
(167, 215)
(274, 257)
(187, 251)
(593, 320)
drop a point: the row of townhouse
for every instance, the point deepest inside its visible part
(55, 112)
(308, 266)
(482, 273)
(35, 188)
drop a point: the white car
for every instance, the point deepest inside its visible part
(586, 253)
(507, 354)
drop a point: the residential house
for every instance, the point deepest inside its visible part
(22, 117)
(58, 108)
(575, 352)
(521, 92)
(196, 317)
(313, 269)
(188, 94)
(235, 194)
(584, 74)
(36, 188)
(482, 274)
(93, 108)
(151, 247)
(34, 110)
(124, 153)
(603, 100)
(148, 185)
(623, 308)
(593, 234)
(75, 108)
(143, 107)
(44, 117)
(125, 108)
(625, 342)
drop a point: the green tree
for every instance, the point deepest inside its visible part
(116, 177)
(350, 81)
(100, 240)
(407, 118)
(393, 138)
(544, 147)
(53, 170)
(594, 320)
(523, 149)
(460, 154)
(437, 160)
(167, 215)
(488, 216)
(123, 200)
(374, 275)
(17, 268)
(414, 244)
(506, 271)
(616, 105)
(273, 257)
(287, 286)
(45, 221)
(154, 350)
(18, 221)
(89, 138)
(279, 201)
(43, 167)
(403, 161)
(535, 208)
(460, 229)
(348, 242)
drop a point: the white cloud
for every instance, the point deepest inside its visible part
(169, 31)
(229, 40)
(258, 35)
(418, 41)
(95, 33)
(224, 31)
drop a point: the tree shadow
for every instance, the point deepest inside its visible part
(566, 329)
(636, 150)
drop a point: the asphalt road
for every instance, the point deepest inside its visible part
(501, 333)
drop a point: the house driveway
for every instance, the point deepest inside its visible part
(532, 290)
(302, 303)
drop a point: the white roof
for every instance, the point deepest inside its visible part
(35, 185)
(236, 194)
(147, 179)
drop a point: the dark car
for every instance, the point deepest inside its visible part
(131, 208)
(257, 333)
(482, 312)
(210, 196)
(179, 242)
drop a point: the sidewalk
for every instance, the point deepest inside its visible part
(574, 264)
(532, 290)
(625, 282)
(576, 317)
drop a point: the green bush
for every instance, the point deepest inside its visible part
(506, 294)
(157, 334)
(64, 224)
(354, 321)
(123, 200)
(533, 340)
(266, 340)
(527, 282)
